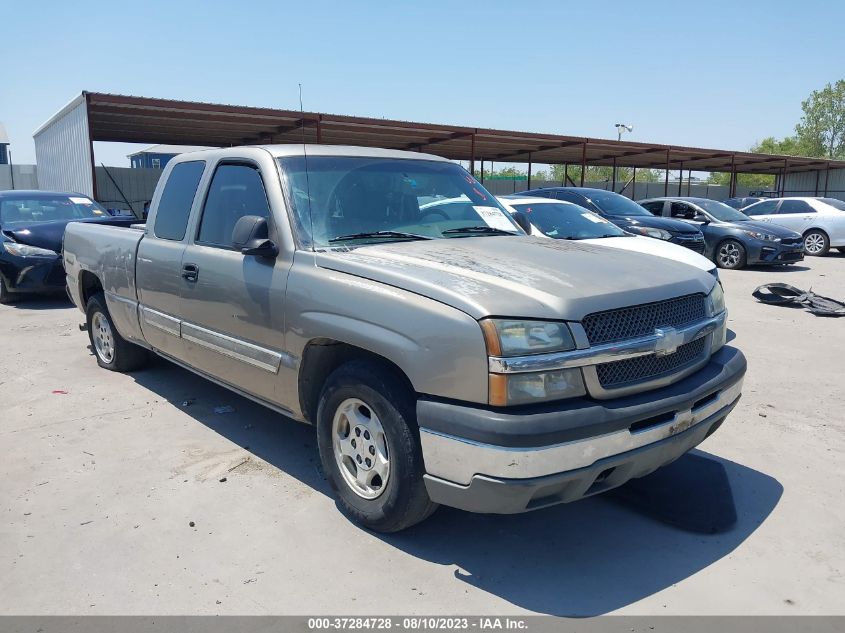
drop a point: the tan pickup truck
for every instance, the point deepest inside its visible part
(443, 356)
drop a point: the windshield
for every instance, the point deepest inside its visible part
(564, 221)
(721, 211)
(350, 197)
(40, 209)
(835, 203)
(615, 204)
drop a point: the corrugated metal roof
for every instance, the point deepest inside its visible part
(145, 120)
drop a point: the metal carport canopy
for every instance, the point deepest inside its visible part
(145, 120)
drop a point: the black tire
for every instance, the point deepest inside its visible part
(820, 238)
(403, 501)
(5, 295)
(124, 356)
(841, 249)
(731, 255)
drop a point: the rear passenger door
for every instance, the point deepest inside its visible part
(797, 215)
(233, 304)
(158, 269)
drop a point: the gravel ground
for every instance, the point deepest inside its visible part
(113, 497)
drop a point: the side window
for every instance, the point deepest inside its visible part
(656, 208)
(766, 207)
(235, 191)
(682, 210)
(176, 201)
(795, 206)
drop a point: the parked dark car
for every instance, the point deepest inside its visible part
(741, 203)
(627, 214)
(32, 226)
(733, 239)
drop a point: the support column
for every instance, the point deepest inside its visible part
(472, 155)
(666, 180)
(826, 178)
(565, 174)
(529, 170)
(689, 182)
(613, 180)
(482, 171)
(783, 179)
(583, 161)
(634, 184)
(818, 173)
(732, 186)
(681, 179)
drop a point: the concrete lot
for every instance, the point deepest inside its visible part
(102, 474)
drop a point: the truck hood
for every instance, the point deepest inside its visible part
(520, 276)
(49, 235)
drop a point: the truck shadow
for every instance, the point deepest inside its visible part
(586, 558)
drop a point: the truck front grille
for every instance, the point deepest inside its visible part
(635, 321)
(643, 368)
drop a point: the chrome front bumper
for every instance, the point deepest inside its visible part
(502, 461)
(458, 460)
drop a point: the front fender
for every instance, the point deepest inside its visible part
(439, 348)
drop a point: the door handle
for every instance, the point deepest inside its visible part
(190, 272)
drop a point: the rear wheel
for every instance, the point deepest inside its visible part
(816, 243)
(369, 447)
(113, 352)
(730, 255)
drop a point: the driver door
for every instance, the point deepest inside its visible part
(233, 305)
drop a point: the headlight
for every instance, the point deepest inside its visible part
(766, 237)
(659, 234)
(22, 250)
(516, 337)
(512, 337)
(716, 299)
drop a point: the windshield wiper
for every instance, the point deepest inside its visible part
(362, 236)
(479, 229)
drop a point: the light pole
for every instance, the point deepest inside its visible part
(620, 127)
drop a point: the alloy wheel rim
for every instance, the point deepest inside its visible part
(103, 337)
(729, 255)
(360, 448)
(814, 243)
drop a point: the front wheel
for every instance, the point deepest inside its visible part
(730, 255)
(369, 447)
(113, 352)
(816, 243)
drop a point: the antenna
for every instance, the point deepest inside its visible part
(307, 180)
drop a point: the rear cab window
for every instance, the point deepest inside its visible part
(174, 207)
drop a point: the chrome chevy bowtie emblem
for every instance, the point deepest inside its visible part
(668, 341)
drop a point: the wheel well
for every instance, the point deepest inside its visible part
(320, 358)
(817, 230)
(89, 285)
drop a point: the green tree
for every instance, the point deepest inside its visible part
(602, 173)
(821, 131)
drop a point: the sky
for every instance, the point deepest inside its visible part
(717, 74)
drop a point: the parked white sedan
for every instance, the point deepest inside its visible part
(561, 220)
(820, 220)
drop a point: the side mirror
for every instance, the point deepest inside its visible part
(700, 217)
(251, 236)
(522, 220)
